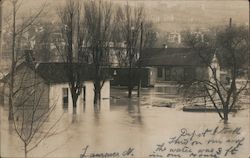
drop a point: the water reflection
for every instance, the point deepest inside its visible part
(97, 118)
(84, 106)
(118, 124)
(134, 112)
(65, 107)
(170, 90)
(74, 118)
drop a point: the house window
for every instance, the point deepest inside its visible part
(159, 72)
(171, 37)
(65, 96)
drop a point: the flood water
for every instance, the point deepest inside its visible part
(134, 123)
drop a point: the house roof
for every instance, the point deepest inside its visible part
(57, 72)
(174, 57)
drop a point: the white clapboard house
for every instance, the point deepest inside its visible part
(50, 81)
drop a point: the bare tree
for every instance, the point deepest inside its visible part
(230, 46)
(149, 35)
(42, 43)
(14, 58)
(144, 36)
(129, 22)
(31, 109)
(73, 35)
(98, 24)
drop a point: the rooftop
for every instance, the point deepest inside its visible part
(174, 57)
(58, 72)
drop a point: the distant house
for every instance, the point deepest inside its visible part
(174, 37)
(50, 83)
(179, 64)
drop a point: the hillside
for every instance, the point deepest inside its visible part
(171, 15)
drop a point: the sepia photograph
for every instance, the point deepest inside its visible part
(124, 79)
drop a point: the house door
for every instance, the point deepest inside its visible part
(167, 74)
(159, 72)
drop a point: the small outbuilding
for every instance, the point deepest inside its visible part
(179, 64)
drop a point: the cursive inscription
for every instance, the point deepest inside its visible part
(126, 153)
(207, 143)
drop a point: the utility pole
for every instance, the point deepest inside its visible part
(248, 75)
(1, 28)
(230, 22)
(249, 42)
(139, 82)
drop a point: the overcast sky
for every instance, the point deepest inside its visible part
(173, 14)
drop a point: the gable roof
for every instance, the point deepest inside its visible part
(57, 72)
(174, 57)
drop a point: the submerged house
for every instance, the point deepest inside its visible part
(49, 83)
(179, 64)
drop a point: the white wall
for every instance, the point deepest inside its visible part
(56, 96)
(105, 95)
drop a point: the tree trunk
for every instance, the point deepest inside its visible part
(129, 92)
(11, 117)
(74, 100)
(97, 92)
(97, 100)
(25, 150)
(139, 82)
(12, 64)
(130, 87)
(139, 89)
(1, 27)
(97, 95)
(74, 95)
(11, 89)
(225, 112)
